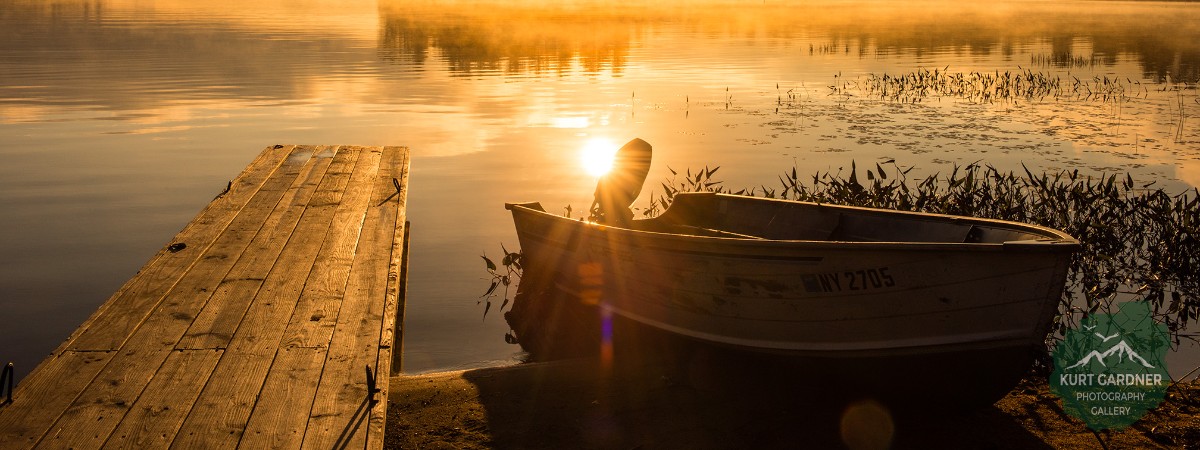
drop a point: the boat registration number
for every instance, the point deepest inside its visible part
(849, 280)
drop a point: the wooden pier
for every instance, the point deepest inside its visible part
(265, 323)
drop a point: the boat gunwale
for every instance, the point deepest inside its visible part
(1061, 241)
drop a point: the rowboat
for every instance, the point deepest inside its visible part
(854, 287)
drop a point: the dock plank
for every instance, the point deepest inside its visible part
(316, 313)
(156, 416)
(340, 414)
(221, 414)
(98, 410)
(280, 419)
(397, 326)
(257, 334)
(393, 295)
(281, 416)
(40, 400)
(397, 246)
(218, 418)
(215, 324)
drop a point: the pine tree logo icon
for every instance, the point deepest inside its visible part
(1111, 370)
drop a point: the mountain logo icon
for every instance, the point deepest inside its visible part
(1110, 369)
(1122, 351)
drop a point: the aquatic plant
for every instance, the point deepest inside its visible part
(1067, 60)
(701, 181)
(509, 276)
(1180, 106)
(984, 87)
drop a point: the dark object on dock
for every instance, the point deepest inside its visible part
(6, 382)
(255, 336)
(373, 389)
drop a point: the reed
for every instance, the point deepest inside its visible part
(1066, 60)
(832, 48)
(1181, 110)
(984, 87)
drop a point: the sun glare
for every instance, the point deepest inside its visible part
(597, 156)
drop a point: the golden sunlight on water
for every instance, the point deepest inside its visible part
(156, 104)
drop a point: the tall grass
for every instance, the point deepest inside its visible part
(1067, 60)
(987, 87)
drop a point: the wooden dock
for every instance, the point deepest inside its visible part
(263, 324)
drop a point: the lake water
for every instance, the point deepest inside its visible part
(121, 119)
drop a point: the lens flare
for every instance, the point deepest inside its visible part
(867, 425)
(596, 156)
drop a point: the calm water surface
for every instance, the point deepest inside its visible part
(121, 119)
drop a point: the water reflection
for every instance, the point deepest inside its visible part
(507, 38)
(799, 48)
(546, 37)
(134, 114)
(115, 61)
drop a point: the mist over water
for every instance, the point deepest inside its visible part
(120, 120)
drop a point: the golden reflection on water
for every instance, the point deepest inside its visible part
(648, 77)
(545, 37)
(498, 101)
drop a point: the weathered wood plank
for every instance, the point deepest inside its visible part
(393, 297)
(340, 414)
(397, 346)
(130, 305)
(156, 415)
(317, 311)
(400, 208)
(339, 411)
(215, 324)
(219, 417)
(39, 400)
(99, 408)
(281, 415)
(280, 418)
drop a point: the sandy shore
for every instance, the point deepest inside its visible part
(583, 403)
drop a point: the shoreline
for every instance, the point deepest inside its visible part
(585, 403)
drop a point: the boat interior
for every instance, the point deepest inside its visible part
(707, 214)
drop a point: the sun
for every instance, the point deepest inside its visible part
(596, 156)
